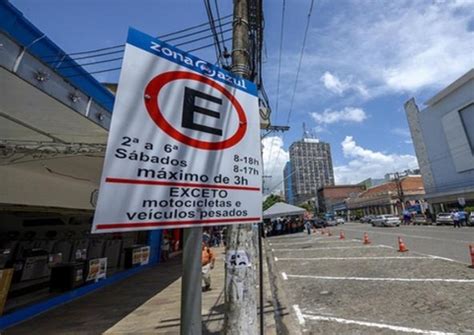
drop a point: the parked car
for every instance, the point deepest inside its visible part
(444, 218)
(367, 219)
(420, 219)
(470, 219)
(386, 221)
(331, 222)
(340, 221)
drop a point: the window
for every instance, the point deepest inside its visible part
(467, 118)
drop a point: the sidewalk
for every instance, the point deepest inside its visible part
(147, 303)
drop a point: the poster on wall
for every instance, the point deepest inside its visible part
(97, 269)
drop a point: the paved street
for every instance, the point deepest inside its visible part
(345, 287)
(442, 241)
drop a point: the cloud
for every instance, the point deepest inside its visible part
(274, 160)
(348, 114)
(404, 132)
(393, 46)
(365, 163)
(339, 86)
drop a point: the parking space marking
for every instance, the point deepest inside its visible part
(351, 258)
(330, 248)
(366, 324)
(285, 277)
(299, 314)
(372, 231)
(429, 255)
(313, 241)
(441, 280)
(300, 242)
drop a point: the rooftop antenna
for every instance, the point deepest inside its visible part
(306, 133)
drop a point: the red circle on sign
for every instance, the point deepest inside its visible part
(152, 91)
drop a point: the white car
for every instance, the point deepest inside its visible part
(340, 221)
(386, 221)
(470, 219)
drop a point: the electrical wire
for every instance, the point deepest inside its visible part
(210, 16)
(279, 71)
(121, 45)
(224, 58)
(119, 58)
(308, 20)
(118, 68)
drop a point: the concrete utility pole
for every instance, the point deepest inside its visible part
(241, 283)
(191, 319)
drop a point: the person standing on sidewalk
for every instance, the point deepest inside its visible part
(455, 217)
(207, 260)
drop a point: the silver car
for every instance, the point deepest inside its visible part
(444, 218)
(386, 221)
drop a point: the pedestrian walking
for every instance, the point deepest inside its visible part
(207, 260)
(406, 218)
(455, 217)
(307, 225)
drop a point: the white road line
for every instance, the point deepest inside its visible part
(330, 248)
(428, 255)
(352, 258)
(445, 259)
(313, 241)
(411, 236)
(301, 242)
(276, 259)
(299, 315)
(441, 280)
(370, 324)
(285, 277)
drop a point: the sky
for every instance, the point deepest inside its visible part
(362, 60)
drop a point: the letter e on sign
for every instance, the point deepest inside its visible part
(191, 110)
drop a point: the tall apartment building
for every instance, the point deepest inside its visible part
(309, 169)
(288, 186)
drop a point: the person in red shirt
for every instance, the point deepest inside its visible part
(207, 260)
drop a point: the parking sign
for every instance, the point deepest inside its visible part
(184, 146)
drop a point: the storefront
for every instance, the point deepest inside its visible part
(54, 126)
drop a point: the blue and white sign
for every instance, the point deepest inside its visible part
(183, 147)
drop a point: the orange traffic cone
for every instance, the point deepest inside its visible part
(366, 238)
(329, 233)
(471, 251)
(401, 245)
(341, 235)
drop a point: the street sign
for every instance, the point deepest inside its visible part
(184, 145)
(461, 201)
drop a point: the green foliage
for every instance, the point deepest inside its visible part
(307, 206)
(469, 209)
(271, 200)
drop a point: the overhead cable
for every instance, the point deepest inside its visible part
(121, 45)
(308, 20)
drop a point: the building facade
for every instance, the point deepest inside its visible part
(443, 136)
(311, 168)
(392, 197)
(330, 197)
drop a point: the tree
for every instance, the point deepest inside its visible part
(307, 206)
(271, 200)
